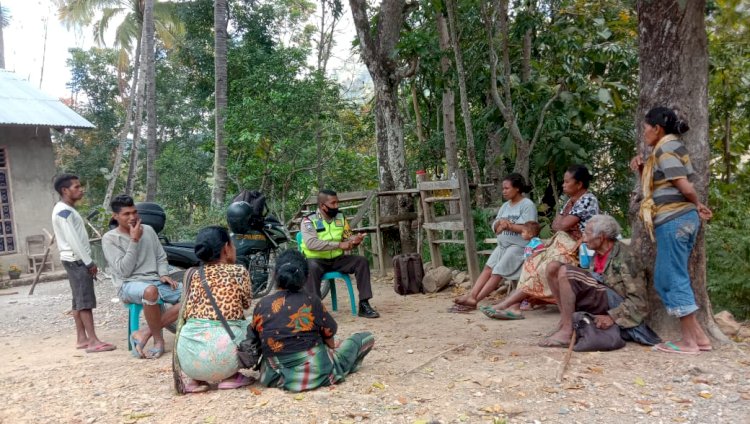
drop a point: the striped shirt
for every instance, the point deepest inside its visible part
(672, 163)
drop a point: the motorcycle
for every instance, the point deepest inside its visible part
(257, 242)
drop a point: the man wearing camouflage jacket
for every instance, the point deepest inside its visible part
(615, 275)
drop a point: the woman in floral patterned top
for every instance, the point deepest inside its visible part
(203, 348)
(296, 333)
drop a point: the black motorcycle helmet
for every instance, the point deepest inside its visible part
(238, 217)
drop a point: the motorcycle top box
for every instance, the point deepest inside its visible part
(152, 214)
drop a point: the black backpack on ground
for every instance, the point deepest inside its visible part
(408, 273)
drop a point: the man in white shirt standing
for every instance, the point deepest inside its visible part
(75, 255)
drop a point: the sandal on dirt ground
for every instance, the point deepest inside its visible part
(103, 347)
(236, 381)
(705, 348)
(549, 342)
(136, 347)
(193, 386)
(155, 353)
(461, 309)
(669, 347)
(502, 314)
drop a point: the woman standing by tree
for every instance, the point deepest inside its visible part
(671, 211)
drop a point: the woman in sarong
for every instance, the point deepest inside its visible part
(204, 351)
(563, 247)
(297, 334)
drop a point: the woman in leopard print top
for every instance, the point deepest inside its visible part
(204, 349)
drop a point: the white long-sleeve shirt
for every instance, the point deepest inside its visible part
(70, 233)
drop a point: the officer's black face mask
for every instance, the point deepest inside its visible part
(331, 212)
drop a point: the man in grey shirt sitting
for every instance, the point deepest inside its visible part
(138, 261)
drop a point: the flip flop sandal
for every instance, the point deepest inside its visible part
(502, 314)
(104, 347)
(137, 347)
(669, 347)
(194, 387)
(705, 348)
(154, 353)
(461, 309)
(547, 342)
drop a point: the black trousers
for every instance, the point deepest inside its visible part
(345, 264)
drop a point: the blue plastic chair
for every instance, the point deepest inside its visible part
(331, 277)
(134, 318)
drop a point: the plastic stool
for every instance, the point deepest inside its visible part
(331, 277)
(134, 318)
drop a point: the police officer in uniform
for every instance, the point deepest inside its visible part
(325, 237)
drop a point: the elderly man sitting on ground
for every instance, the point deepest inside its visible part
(614, 292)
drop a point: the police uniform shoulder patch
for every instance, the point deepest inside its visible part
(65, 213)
(307, 225)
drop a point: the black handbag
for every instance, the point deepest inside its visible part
(589, 338)
(248, 351)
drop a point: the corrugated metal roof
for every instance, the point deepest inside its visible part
(22, 104)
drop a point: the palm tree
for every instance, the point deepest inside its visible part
(220, 87)
(151, 147)
(4, 21)
(79, 13)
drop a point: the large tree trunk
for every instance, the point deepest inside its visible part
(471, 151)
(125, 128)
(151, 146)
(378, 48)
(673, 61)
(218, 194)
(449, 99)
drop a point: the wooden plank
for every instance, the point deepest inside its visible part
(447, 218)
(353, 195)
(391, 219)
(411, 191)
(449, 241)
(490, 241)
(441, 199)
(363, 208)
(447, 226)
(438, 185)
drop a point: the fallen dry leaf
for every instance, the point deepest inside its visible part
(299, 397)
(498, 343)
(597, 370)
(494, 409)
(378, 385)
(255, 391)
(745, 396)
(680, 400)
(705, 394)
(639, 381)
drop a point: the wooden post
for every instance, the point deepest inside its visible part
(471, 244)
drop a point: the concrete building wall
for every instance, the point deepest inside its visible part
(31, 161)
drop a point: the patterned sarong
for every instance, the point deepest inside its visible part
(206, 352)
(316, 367)
(533, 281)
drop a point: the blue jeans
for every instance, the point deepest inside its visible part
(132, 292)
(674, 242)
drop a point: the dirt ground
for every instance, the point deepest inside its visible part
(428, 366)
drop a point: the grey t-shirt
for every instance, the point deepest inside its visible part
(129, 261)
(520, 213)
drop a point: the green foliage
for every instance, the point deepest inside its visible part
(728, 247)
